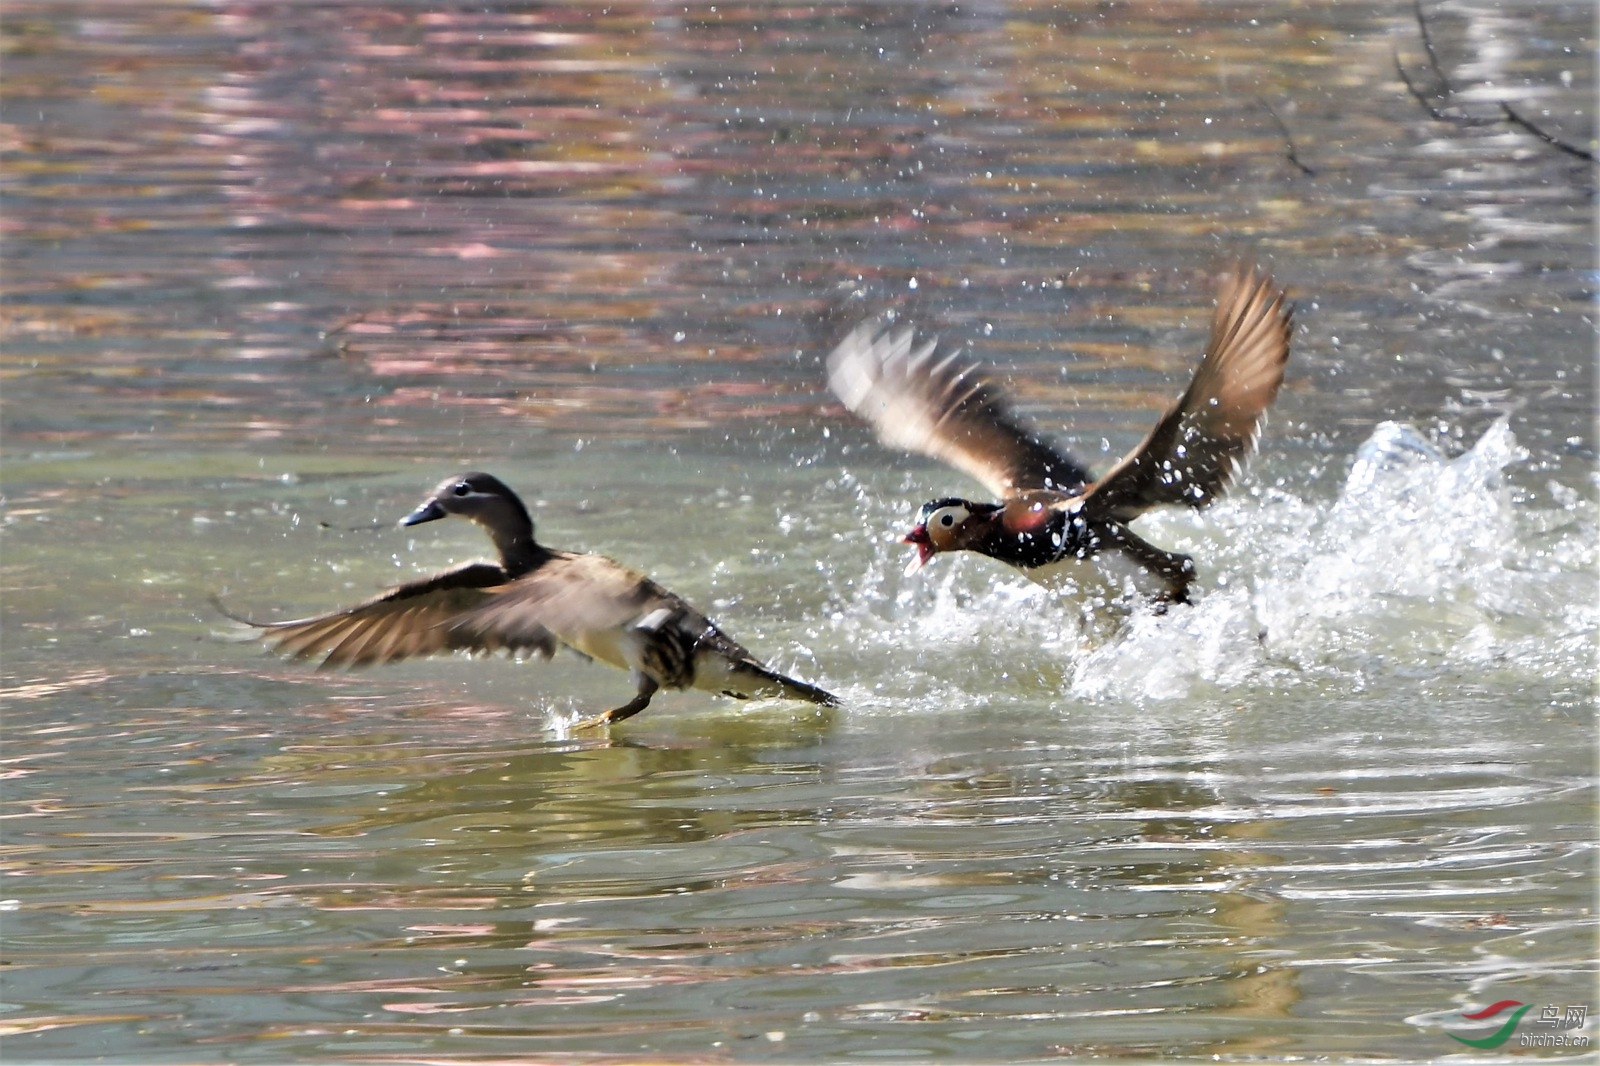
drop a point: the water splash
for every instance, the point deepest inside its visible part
(1423, 560)
(1423, 565)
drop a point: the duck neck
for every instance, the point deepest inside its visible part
(513, 539)
(518, 557)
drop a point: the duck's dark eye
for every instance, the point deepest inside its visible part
(947, 520)
(462, 489)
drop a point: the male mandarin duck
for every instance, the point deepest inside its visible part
(532, 601)
(1053, 516)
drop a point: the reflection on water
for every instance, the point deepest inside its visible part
(271, 271)
(334, 219)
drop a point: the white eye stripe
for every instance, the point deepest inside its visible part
(948, 517)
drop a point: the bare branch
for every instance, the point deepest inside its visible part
(1427, 45)
(1288, 139)
(1445, 91)
(1416, 93)
(1548, 138)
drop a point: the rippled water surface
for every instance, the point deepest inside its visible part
(272, 270)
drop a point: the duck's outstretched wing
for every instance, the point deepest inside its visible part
(1203, 438)
(409, 620)
(939, 405)
(573, 598)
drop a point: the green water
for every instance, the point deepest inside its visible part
(270, 275)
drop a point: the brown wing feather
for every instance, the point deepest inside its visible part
(407, 621)
(570, 595)
(938, 405)
(1199, 443)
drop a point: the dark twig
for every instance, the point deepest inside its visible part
(1445, 90)
(1427, 46)
(1411, 86)
(1548, 138)
(372, 527)
(333, 341)
(1288, 140)
(342, 326)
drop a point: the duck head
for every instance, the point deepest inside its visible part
(946, 525)
(484, 499)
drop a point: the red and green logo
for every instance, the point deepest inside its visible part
(1501, 1035)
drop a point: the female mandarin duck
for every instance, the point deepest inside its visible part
(1053, 516)
(533, 600)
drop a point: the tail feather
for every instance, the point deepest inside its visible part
(800, 690)
(751, 680)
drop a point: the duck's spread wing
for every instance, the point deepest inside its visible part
(409, 620)
(572, 598)
(937, 404)
(1200, 441)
